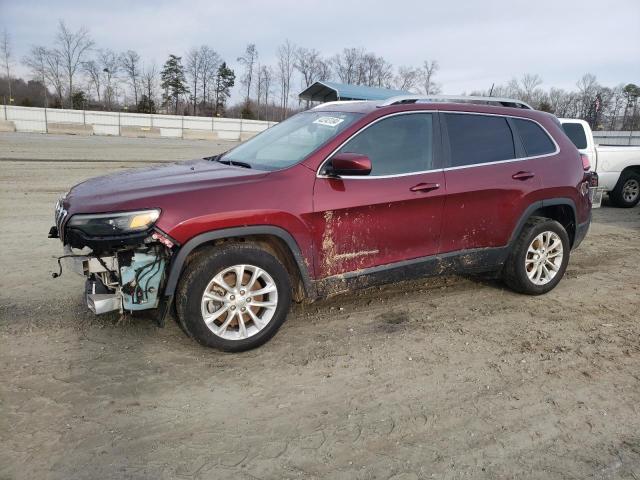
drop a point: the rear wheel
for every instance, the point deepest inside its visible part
(235, 298)
(539, 257)
(627, 191)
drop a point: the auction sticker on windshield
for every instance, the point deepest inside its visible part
(329, 121)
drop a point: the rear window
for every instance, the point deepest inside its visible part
(479, 139)
(534, 139)
(576, 134)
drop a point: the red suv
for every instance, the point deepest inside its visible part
(346, 195)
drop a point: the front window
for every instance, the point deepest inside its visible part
(396, 145)
(291, 141)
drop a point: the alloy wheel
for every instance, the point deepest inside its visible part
(544, 258)
(239, 302)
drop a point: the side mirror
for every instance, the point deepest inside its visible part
(350, 164)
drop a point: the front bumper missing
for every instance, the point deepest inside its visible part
(129, 280)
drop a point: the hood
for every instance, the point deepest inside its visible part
(142, 188)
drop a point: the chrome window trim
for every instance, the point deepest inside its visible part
(444, 169)
(395, 175)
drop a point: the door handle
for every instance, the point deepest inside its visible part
(523, 175)
(425, 187)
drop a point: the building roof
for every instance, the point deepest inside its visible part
(332, 91)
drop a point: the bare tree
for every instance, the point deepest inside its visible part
(374, 71)
(347, 63)
(311, 66)
(248, 61)
(46, 65)
(149, 81)
(430, 68)
(530, 83)
(94, 72)
(323, 70)
(588, 88)
(130, 63)
(526, 88)
(264, 87)
(5, 49)
(193, 66)
(616, 103)
(36, 61)
(72, 48)
(110, 64)
(560, 101)
(407, 78)
(209, 63)
(286, 60)
(258, 89)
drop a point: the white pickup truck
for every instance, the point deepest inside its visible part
(618, 167)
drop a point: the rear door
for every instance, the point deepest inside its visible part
(491, 180)
(394, 213)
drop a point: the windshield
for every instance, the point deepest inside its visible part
(289, 142)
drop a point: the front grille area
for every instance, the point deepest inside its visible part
(60, 216)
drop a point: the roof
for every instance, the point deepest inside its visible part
(332, 91)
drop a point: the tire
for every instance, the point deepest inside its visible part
(626, 194)
(218, 267)
(522, 263)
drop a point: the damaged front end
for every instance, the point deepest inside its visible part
(123, 256)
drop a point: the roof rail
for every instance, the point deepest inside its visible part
(337, 102)
(504, 102)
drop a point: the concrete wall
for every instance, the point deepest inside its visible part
(616, 138)
(7, 126)
(53, 120)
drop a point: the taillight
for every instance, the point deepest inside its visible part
(586, 164)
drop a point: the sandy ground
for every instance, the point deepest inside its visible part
(445, 378)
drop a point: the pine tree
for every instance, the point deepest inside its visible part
(146, 105)
(224, 80)
(174, 82)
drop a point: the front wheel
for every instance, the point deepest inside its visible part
(234, 298)
(538, 258)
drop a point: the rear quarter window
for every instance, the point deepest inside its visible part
(534, 139)
(576, 134)
(476, 139)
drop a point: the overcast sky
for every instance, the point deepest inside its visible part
(476, 42)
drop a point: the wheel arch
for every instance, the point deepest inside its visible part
(563, 210)
(274, 239)
(633, 168)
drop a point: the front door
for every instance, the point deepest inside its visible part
(390, 215)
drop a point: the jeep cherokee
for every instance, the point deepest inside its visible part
(345, 195)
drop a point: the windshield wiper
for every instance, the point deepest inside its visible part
(232, 162)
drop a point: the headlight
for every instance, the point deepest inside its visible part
(110, 224)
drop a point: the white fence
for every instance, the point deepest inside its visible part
(616, 138)
(45, 120)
